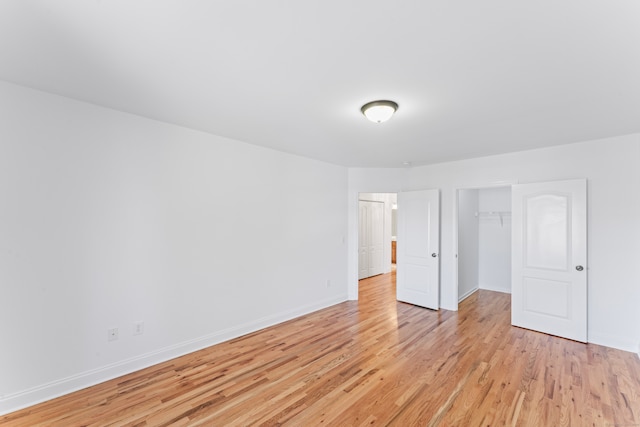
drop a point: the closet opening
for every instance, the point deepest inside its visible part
(484, 240)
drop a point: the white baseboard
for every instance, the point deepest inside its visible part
(495, 288)
(467, 294)
(16, 401)
(614, 342)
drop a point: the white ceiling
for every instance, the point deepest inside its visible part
(471, 77)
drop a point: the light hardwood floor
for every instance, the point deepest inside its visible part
(372, 362)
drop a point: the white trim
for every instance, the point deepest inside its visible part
(468, 294)
(495, 289)
(20, 400)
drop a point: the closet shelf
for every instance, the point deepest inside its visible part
(494, 214)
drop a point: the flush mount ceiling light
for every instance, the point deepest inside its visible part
(379, 111)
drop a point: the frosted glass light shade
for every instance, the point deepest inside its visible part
(379, 111)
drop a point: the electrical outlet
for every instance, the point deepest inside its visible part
(112, 334)
(328, 283)
(138, 328)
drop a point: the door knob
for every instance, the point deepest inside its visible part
(434, 254)
(579, 267)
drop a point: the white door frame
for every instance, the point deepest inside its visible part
(454, 219)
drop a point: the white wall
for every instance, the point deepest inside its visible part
(494, 236)
(611, 168)
(468, 243)
(108, 218)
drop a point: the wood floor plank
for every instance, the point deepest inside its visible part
(368, 363)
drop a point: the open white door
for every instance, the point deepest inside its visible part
(549, 255)
(418, 248)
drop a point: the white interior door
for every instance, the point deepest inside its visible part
(370, 239)
(418, 248)
(549, 255)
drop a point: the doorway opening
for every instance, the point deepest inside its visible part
(376, 233)
(484, 240)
